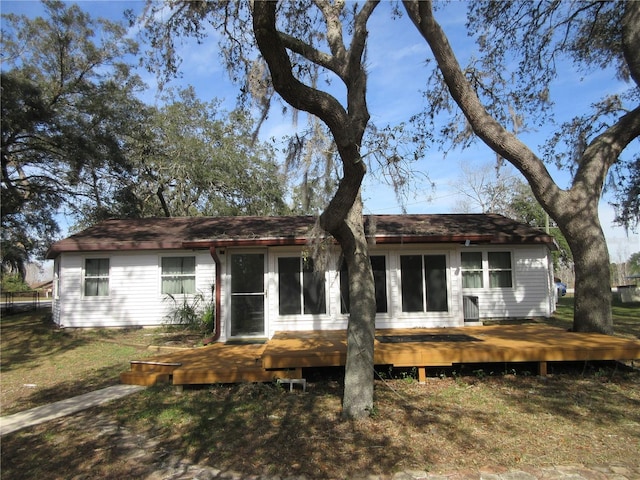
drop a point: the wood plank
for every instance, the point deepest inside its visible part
(188, 376)
(306, 349)
(145, 379)
(154, 367)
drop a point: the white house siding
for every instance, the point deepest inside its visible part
(134, 299)
(531, 292)
(55, 302)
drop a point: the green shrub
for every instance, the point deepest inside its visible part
(193, 313)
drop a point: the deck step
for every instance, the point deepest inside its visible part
(189, 376)
(294, 381)
(145, 379)
(154, 367)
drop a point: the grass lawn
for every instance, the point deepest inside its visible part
(586, 414)
(626, 316)
(40, 363)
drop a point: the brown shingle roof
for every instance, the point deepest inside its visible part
(194, 232)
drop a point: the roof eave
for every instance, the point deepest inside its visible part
(80, 246)
(98, 246)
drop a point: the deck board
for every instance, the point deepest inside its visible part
(287, 353)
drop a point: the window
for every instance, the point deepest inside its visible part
(56, 278)
(472, 270)
(178, 275)
(301, 290)
(499, 269)
(424, 283)
(379, 265)
(96, 277)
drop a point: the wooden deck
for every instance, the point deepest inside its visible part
(287, 353)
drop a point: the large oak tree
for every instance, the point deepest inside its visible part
(594, 32)
(193, 159)
(68, 111)
(77, 140)
(342, 217)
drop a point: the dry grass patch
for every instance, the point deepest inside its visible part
(41, 363)
(462, 419)
(447, 424)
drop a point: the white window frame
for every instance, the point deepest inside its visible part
(86, 277)
(301, 313)
(425, 310)
(481, 270)
(500, 270)
(487, 270)
(182, 275)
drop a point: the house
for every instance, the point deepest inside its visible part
(430, 271)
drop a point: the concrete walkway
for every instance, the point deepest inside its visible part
(35, 416)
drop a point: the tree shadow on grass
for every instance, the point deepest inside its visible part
(262, 429)
(33, 337)
(598, 393)
(87, 445)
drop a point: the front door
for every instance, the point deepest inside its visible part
(247, 294)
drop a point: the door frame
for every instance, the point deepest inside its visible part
(265, 273)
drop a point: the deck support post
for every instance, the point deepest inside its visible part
(422, 374)
(542, 369)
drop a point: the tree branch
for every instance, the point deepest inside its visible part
(604, 150)
(631, 38)
(331, 13)
(294, 92)
(316, 56)
(484, 125)
(357, 88)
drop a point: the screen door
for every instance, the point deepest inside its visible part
(247, 294)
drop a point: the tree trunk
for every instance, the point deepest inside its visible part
(592, 311)
(343, 216)
(357, 400)
(592, 302)
(343, 219)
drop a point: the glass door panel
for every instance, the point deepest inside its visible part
(247, 294)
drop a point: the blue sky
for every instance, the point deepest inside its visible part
(397, 72)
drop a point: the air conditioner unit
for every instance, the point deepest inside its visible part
(470, 308)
